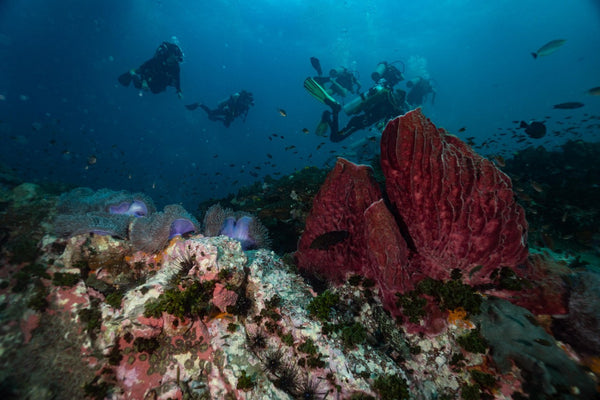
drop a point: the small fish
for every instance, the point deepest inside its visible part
(549, 48)
(537, 187)
(568, 105)
(543, 342)
(92, 160)
(462, 129)
(532, 319)
(269, 155)
(282, 112)
(595, 91)
(305, 130)
(328, 239)
(314, 61)
(290, 147)
(500, 161)
(535, 130)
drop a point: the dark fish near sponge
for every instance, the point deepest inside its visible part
(328, 239)
(535, 130)
(314, 61)
(569, 105)
(549, 48)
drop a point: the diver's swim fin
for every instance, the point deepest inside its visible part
(125, 79)
(318, 92)
(314, 61)
(192, 106)
(323, 125)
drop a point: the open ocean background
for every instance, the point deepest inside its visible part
(61, 102)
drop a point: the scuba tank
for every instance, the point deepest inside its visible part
(379, 71)
(387, 71)
(338, 89)
(365, 101)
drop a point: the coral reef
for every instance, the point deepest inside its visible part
(514, 337)
(581, 326)
(122, 215)
(559, 190)
(241, 226)
(181, 330)
(89, 317)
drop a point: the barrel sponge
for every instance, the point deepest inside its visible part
(66, 225)
(152, 233)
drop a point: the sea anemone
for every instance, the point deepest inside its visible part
(136, 208)
(98, 223)
(152, 233)
(84, 200)
(244, 227)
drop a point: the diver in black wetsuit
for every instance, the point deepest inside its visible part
(341, 80)
(379, 103)
(237, 105)
(157, 73)
(419, 89)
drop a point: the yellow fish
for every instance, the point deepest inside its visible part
(282, 112)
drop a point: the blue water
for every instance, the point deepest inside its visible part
(61, 102)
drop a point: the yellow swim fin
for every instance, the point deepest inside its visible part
(323, 125)
(318, 92)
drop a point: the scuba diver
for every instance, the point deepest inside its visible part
(419, 89)
(157, 73)
(388, 72)
(227, 110)
(341, 80)
(381, 102)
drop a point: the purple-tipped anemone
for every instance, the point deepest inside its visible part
(119, 209)
(100, 232)
(242, 232)
(228, 227)
(136, 208)
(180, 227)
(239, 230)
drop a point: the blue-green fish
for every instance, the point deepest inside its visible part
(549, 48)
